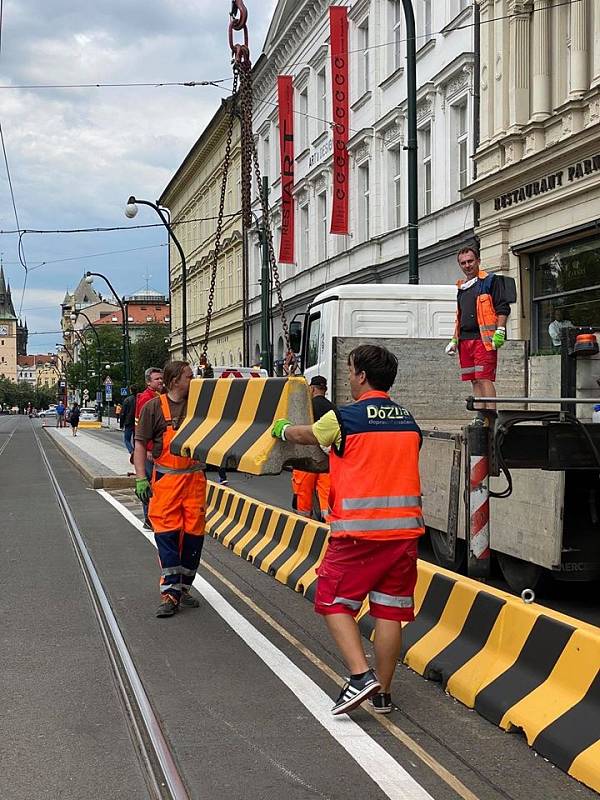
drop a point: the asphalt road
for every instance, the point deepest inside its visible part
(242, 685)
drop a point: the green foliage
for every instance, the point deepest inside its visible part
(150, 350)
(22, 394)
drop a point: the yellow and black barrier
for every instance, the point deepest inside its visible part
(90, 424)
(521, 666)
(229, 420)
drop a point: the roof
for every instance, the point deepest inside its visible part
(34, 360)
(139, 314)
(7, 310)
(387, 291)
(147, 294)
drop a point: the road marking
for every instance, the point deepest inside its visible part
(392, 778)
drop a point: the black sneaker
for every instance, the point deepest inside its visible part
(187, 601)
(381, 703)
(168, 607)
(356, 691)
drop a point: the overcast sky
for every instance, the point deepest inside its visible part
(75, 155)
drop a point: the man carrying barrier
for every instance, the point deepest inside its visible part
(176, 497)
(375, 519)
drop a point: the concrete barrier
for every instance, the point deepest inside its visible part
(521, 666)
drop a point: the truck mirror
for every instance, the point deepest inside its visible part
(296, 336)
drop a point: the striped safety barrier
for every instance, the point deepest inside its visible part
(228, 424)
(519, 665)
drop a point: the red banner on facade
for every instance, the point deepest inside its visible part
(285, 98)
(338, 29)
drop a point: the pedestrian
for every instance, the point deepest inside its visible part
(118, 409)
(480, 329)
(154, 386)
(177, 494)
(375, 519)
(60, 414)
(74, 418)
(306, 484)
(127, 419)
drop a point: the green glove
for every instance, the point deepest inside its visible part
(498, 338)
(278, 430)
(143, 490)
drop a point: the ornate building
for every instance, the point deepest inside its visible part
(538, 161)
(13, 334)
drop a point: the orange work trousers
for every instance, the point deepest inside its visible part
(304, 486)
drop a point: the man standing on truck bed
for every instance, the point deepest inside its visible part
(305, 484)
(375, 518)
(480, 329)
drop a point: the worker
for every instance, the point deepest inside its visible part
(154, 386)
(177, 494)
(375, 517)
(480, 330)
(559, 322)
(305, 484)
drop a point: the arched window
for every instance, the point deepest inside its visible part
(230, 359)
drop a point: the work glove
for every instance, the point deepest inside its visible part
(278, 430)
(451, 347)
(143, 490)
(499, 338)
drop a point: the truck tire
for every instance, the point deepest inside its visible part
(520, 574)
(441, 555)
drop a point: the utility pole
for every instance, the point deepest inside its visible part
(265, 354)
(411, 146)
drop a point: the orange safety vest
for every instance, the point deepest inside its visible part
(486, 313)
(375, 485)
(168, 463)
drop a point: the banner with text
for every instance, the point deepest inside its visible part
(338, 29)
(285, 98)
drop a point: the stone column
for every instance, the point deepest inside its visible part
(499, 67)
(519, 63)
(486, 88)
(541, 101)
(579, 50)
(596, 37)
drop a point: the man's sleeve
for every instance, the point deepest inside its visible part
(327, 430)
(500, 304)
(144, 429)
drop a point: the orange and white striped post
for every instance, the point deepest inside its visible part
(477, 522)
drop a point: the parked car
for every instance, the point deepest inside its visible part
(49, 412)
(88, 415)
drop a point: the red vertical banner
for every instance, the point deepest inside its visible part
(285, 99)
(338, 29)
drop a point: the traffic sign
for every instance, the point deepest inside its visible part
(108, 392)
(123, 391)
(107, 381)
(86, 394)
(98, 397)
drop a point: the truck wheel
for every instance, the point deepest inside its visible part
(520, 574)
(441, 554)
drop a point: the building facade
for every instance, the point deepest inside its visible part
(38, 370)
(145, 307)
(376, 250)
(193, 197)
(538, 162)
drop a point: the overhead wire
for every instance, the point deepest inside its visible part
(191, 84)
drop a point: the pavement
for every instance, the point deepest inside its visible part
(242, 685)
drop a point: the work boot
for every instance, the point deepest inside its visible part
(187, 601)
(168, 607)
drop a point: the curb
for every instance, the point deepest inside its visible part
(521, 666)
(94, 479)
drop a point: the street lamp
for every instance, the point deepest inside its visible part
(411, 144)
(131, 209)
(89, 277)
(74, 315)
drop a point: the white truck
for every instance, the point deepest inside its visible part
(551, 522)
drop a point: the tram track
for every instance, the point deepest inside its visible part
(160, 770)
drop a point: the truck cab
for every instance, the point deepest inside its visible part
(369, 311)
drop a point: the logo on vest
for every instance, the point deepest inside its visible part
(386, 412)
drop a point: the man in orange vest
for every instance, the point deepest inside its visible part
(375, 518)
(177, 497)
(305, 484)
(480, 329)
(154, 386)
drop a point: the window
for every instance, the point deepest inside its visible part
(564, 293)
(363, 201)
(230, 292)
(238, 277)
(462, 142)
(426, 166)
(321, 101)
(395, 190)
(322, 226)
(312, 350)
(304, 236)
(303, 120)
(427, 13)
(221, 292)
(395, 26)
(277, 170)
(363, 58)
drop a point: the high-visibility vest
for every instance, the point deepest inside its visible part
(484, 307)
(167, 463)
(375, 485)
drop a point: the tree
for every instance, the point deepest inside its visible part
(149, 350)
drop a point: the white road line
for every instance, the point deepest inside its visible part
(392, 778)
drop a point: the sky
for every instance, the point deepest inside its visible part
(76, 154)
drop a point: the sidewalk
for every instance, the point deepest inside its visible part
(104, 465)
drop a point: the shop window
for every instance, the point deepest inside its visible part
(566, 291)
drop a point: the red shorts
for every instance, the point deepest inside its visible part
(476, 363)
(354, 568)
